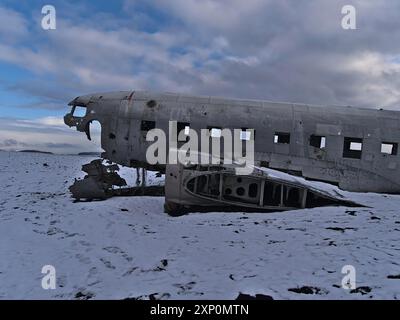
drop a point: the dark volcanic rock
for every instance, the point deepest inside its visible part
(244, 296)
(362, 290)
(305, 290)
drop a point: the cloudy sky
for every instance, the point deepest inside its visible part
(284, 50)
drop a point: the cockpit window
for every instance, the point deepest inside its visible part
(79, 111)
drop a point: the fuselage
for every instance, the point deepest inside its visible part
(355, 148)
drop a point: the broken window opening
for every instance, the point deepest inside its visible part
(183, 126)
(352, 148)
(389, 148)
(147, 125)
(215, 132)
(79, 111)
(246, 135)
(318, 141)
(282, 137)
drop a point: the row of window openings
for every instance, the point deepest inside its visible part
(215, 132)
(352, 147)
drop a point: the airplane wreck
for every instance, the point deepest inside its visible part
(296, 146)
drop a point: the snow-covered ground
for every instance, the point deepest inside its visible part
(127, 247)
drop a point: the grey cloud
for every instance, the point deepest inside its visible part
(274, 50)
(304, 54)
